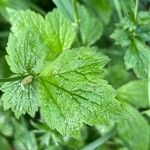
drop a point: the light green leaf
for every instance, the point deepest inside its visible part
(72, 92)
(55, 30)
(91, 28)
(60, 32)
(134, 92)
(25, 53)
(20, 98)
(22, 20)
(25, 57)
(66, 8)
(138, 57)
(134, 132)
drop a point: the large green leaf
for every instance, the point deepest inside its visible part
(134, 131)
(55, 30)
(72, 92)
(134, 92)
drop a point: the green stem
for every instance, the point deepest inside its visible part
(149, 84)
(136, 9)
(11, 79)
(118, 9)
(77, 20)
(100, 140)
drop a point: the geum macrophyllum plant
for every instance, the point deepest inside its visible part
(65, 83)
(59, 72)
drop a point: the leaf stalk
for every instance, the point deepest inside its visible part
(11, 79)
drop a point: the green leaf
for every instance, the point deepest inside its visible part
(134, 131)
(100, 8)
(134, 92)
(91, 28)
(138, 57)
(60, 32)
(6, 127)
(128, 7)
(55, 31)
(23, 138)
(144, 21)
(25, 57)
(121, 37)
(72, 92)
(25, 53)
(20, 98)
(22, 20)
(117, 75)
(66, 8)
(86, 26)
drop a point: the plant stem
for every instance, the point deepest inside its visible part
(11, 79)
(118, 9)
(77, 20)
(100, 140)
(149, 84)
(136, 9)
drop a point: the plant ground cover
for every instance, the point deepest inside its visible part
(74, 75)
